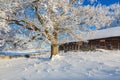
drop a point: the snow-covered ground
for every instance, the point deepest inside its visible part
(98, 65)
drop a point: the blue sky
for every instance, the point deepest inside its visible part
(103, 2)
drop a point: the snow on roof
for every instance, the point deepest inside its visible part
(105, 33)
(98, 34)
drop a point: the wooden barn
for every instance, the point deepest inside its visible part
(106, 43)
(103, 39)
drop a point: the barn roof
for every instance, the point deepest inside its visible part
(98, 34)
(105, 33)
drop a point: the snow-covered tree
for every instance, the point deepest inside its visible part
(115, 11)
(53, 18)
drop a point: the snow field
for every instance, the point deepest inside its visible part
(98, 65)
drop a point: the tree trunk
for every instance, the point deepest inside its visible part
(54, 45)
(54, 50)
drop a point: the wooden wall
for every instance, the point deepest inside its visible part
(71, 46)
(104, 43)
